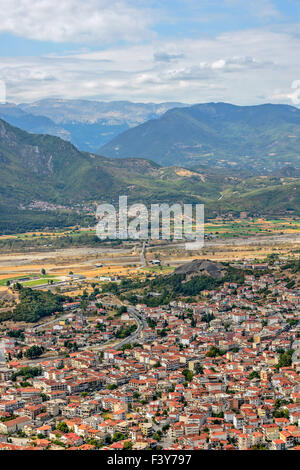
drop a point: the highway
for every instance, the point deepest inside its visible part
(102, 346)
(135, 335)
(143, 258)
(141, 324)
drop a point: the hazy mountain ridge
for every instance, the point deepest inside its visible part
(88, 111)
(36, 124)
(87, 124)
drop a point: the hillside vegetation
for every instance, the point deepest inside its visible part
(260, 138)
(46, 182)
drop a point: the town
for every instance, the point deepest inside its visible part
(218, 373)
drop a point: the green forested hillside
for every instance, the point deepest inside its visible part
(46, 182)
(260, 138)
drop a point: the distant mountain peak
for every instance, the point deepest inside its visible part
(88, 124)
(262, 138)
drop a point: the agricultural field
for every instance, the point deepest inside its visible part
(40, 282)
(43, 279)
(159, 269)
(228, 240)
(253, 227)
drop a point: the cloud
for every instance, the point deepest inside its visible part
(166, 57)
(2, 92)
(215, 69)
(244, 67)
(292, 96)
(75, 20)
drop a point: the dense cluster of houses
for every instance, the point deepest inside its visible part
(218, 374)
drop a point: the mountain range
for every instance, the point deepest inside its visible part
(86, 124)
(255, 140)
(260, 139)
(43, 177)
(46, 181)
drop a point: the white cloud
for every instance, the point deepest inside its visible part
(244, 67)
(292, 95)
(79, 21)
(2, 92)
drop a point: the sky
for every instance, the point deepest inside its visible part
(244, 52)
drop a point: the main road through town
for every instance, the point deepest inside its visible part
(132, 311)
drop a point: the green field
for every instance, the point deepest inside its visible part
(222, 227)
(159, 269)
(39, 282)
(42, 279)
(250, 227)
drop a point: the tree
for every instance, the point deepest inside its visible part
(127, 445)
(34, 351)
(151, 323)
(214, 352)
(35, 304)
(97, 443)
(43, 271)
(254, 375)
(188, 374)
(44, 397)
(293, 322)
(199, 369)
(281, 414)
(123, 332)
(63, 427)
(111, 386)
(118, 436)
(27, 373)
(18, 286)
(207, 318)
(121, 310)
(285, 359)
(162, 333)
(71, 346)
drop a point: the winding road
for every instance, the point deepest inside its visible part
(132, 311)
(141, 324)
(143, 258)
